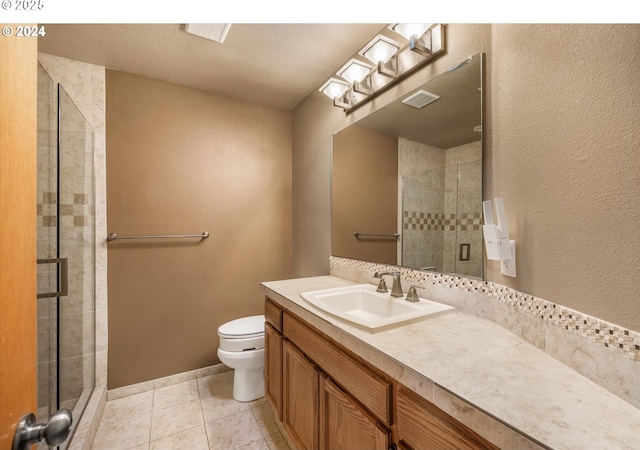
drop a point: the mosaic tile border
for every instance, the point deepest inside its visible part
(611, 336)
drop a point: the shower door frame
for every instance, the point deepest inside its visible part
(68, 147)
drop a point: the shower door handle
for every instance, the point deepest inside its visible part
(64, 277)
(54, 432)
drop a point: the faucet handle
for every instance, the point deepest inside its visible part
(412, 295)
(382, 286)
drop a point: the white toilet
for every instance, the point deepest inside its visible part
(242, 349)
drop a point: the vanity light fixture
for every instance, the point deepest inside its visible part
(382, 51)
(213, 31)
(381, 48)
(334, 88)
(354, 71)
(357, 73)
(409, 29)
(418, 34)
(358, 81)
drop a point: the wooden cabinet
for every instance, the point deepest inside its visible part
(273, 356)
(344, 425)
(317, 414)
(371, 389)
(300, 399)
(273, 368)
(329, 399)
(422, 425)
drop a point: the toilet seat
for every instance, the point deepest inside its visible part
(241, 335)
(252, 326)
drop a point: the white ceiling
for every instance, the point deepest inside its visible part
(272, 64)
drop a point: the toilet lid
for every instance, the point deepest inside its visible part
(243, 327)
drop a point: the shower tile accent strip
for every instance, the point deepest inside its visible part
(73, 212)
(611, 336)
(421, 220)
(469, 221)
(415, 220)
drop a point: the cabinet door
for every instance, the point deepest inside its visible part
(273, 368)
(300, 398)
(344, 425)
(422, 425)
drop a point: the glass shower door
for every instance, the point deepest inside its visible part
(66, 247)
(441, 219)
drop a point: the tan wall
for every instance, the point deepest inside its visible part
(561, 146)
(564, 119)
(182, 161)
(365, 194)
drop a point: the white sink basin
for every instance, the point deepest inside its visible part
(362, 305)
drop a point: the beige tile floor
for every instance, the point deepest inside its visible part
(200, 414)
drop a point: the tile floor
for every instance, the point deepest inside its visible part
(197, 415)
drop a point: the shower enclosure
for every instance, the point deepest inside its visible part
(66, 254)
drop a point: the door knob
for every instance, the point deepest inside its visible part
(54, 432)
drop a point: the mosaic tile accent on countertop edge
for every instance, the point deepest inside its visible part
(614, 337)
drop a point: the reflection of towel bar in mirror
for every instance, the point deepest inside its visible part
(357, 235)
(114, 237)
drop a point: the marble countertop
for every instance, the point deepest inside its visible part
(488, 367)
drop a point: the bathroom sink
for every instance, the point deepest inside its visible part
(362, 305)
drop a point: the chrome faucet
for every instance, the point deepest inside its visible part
(396, 288)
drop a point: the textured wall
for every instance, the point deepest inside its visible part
(561, 145)
(365, 194)
(564, 111)
(181, 161)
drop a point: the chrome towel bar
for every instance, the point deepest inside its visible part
(115, 237)
(357, 235)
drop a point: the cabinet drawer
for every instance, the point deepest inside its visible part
(423, 425)
(372, 391)
(273, 314)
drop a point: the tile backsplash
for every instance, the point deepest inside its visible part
(603, 352)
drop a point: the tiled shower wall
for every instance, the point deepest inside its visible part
(85, 84)
(440, 192)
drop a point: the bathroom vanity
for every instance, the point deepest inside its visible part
(328, 397)
(451, 381)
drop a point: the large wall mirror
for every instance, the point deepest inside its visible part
(407, 179)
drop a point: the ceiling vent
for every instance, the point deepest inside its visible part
(420, 99)
(212, 31)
